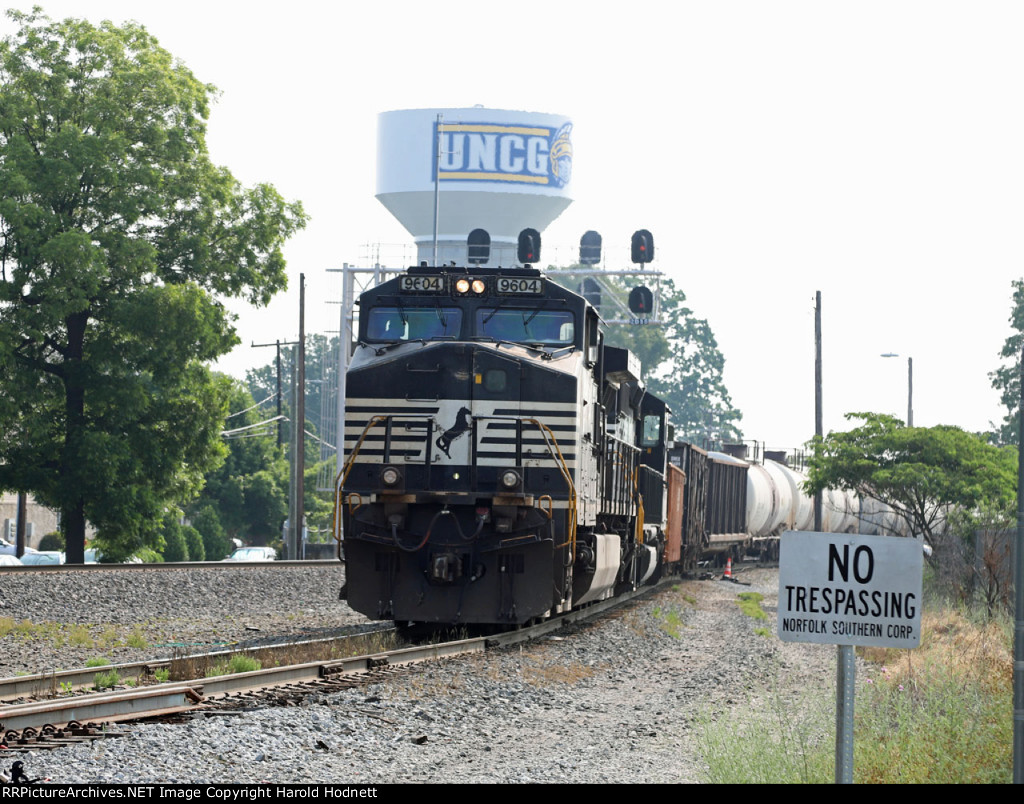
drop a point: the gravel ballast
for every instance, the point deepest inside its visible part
(613, 701)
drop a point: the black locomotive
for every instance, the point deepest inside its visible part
(504, 463)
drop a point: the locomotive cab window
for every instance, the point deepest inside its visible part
(412, 323)
(547, 327)
(652, 431)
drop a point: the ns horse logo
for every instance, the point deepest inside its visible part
(461, 426)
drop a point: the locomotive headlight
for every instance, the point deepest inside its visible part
(390, 476)
(510, 478)
(470, 287)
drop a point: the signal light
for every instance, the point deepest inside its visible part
(642, 246)
(590, 248)
(641, 300)
(529, 246)
(479, 243)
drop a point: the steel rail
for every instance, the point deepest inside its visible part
(181, 696)
(173, 565)
(52, 684)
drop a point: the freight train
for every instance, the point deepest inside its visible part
(505, 463)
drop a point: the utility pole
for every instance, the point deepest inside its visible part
(1018, 591)
(19, 530)
(818, 429)
(300, 459)
(280, 398)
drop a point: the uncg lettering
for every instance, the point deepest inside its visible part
(477, 152)
(863, 563)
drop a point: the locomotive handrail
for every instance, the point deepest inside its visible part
(639, 525)
(622, 458)
(551, 505)
(551, 442)
(342, 476)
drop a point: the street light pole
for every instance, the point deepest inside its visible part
(910, 392)
(910, 387)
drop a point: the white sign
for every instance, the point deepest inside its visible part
(848, 589)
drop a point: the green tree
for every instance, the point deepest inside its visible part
(116, 231)
(175, 545)
(215, 542)
(194, 542)
(680, 359)
(922, 473)
(248, 492)
(1006, 378)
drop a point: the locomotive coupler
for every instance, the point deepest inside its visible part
(445, 567)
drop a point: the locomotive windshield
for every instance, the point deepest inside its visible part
(554, 327)
(412, 323)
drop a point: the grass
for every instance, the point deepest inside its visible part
(102, 681)
(942, 713)
(238, 663)
(184, 667)
(782, 741)
(82, 636)
(136, 639)
(670, 621)
(750, 604)
(79, 635)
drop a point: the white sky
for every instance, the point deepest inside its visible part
(869, 150)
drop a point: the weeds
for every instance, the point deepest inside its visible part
(671, 622)
(786, 742)
(936, 714)
(939, 714)
(750, 604)
(79, 635)
(102, 681)
(235, 664)
(97, 661)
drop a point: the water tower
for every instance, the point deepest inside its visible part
(493, 169)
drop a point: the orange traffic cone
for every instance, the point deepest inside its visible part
(728, 570)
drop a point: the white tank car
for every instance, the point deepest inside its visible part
(801, 516)
(776, 501)
(762, 501)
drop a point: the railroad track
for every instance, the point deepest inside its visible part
(167, 566)
(57, 721)
(181, 667)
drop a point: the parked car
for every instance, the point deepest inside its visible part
(8, 549)
(42, 558)
(253, 554)
(7, 560)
